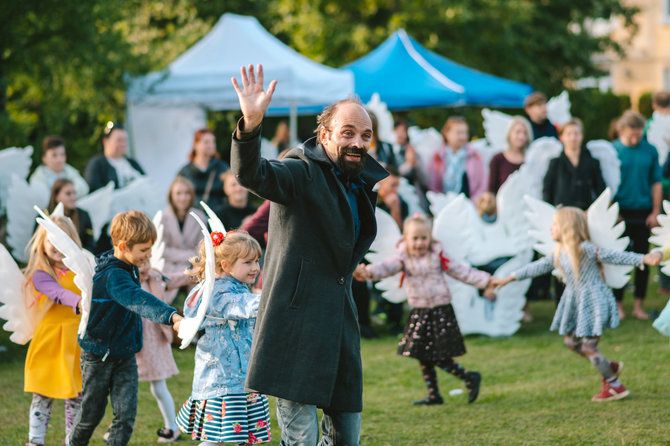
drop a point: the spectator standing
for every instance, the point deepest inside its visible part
(503, 164)
(535, 106)
(54, 166)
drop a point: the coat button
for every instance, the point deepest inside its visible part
(340, 280)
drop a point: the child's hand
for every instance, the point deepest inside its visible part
(490, 293)
(79, 307)
(360, 273)
(176, 321)
(653, 258)
(498, 282)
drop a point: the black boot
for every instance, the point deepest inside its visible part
(429, 401)
(472, 383)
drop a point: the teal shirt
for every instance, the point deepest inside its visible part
(639, 171)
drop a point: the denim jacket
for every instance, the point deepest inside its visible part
(222, 355)
(114, 324)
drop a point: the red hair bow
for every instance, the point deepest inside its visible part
(217, 238)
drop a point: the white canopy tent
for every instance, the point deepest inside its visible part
(165, 108)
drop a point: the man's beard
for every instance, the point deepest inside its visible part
(351, 169)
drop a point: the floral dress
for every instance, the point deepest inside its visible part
(219, 410)
(587, 305)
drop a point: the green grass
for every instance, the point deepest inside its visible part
(534, 391)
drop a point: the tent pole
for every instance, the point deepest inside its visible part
(293, 124)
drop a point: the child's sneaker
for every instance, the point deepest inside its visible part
(429, 401)
(166, 435)
(472, 384)
(609, 393)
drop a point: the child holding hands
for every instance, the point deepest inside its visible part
(52, 362)
(587, 305)
(219, 409)
(114, 330)
(432, 334)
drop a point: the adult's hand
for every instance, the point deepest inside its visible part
(652, 221)
(254, 101)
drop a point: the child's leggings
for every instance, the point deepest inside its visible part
(40, 412)
(165, 403)
(449, 366)
(588, 348)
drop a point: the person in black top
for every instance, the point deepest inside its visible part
(63, 191)
(535, 106)
(236, 206)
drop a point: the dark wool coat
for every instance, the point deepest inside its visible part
(568, 185)
(306, 345)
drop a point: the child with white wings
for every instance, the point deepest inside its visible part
(587, 306)
(432, 334)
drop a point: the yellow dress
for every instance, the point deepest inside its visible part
(52, 362)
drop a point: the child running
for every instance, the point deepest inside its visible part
(52, 362)
(587, 305)
(432, 334)
(219, 410)
(114, 330)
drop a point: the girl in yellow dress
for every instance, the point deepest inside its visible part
(52, 363)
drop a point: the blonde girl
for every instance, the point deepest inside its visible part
(587, 305)
(431, 335)
(52, 363)
(219, 410)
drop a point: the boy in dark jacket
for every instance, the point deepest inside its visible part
(114, 330)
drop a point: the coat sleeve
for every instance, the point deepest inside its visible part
(386, 268)
(536, 268)
(612, 256)
(278, 181)
(472, 276)
(597, 179)
(549, 182)
(124, 291)
(94, 173)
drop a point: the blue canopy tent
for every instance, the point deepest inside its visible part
(407, 75)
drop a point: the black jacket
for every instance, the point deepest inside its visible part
(215, 168)
(568, 185)
(99, 172)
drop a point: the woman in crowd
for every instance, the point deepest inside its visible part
(503, 164)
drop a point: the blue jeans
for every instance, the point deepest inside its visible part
(116, 377)
(300, 426)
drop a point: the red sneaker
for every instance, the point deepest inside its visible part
(609, 393)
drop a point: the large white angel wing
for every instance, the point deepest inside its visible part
(384, 119)
(20, 318)
(20, 214)
(383, 248)
(536, 162)
(658, 134)
(189, 325)
(78, 260)
(610, 165)
(157, 259)
(426, 143)
(214, 221)
(408, 193)
(541, 217)
(661, 234)
(13, 161)
(496, 125)
(453, 228)
(140, 194)
(606, 233)
(98, 204)
(558, 109)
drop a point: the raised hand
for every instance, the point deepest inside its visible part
(254, 101)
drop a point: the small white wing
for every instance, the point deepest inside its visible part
(453, 228)
(607, 233)
(78, 260)
(661, 233)
(537, 159)
(189, 325)
(437, 200)
(426, 143)
(610, 165)
(214, 221)
(384, 119)
(13, 161)
(408, 193)
(140, 194)
(20, 214)
(495, 125)
(658, 134)
(541, 217)
(558, 109)
(157, 259)
(384, 248)
(20, 318)
(98, 204)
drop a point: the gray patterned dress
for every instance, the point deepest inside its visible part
(587, 305)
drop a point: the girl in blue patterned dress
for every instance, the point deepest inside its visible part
(587, 305)
(219, 410)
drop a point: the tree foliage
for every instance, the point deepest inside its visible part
(62, 63)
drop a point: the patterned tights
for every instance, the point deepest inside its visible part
(449, 366)
(587, 347)
(40, 412)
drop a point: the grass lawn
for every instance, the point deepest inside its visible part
(534, 391)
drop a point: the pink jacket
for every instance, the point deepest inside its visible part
(474, 169)
(424, 281)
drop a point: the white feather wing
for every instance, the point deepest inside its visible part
(98, 204)
(661, 233)
(453, 228)
(610, 165)
(384, 119)
(215, 223)
(13, 161)
(607, 233)
(426, 143)
(384, 248)
(558, 109)
(540, 215)
(20, 319)
(536, 162)
(157, 259)
(658, 134)
(20, 214)
(495, 125)
(189, 325)
(140, 194)
(408, 193)
(78, 260)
